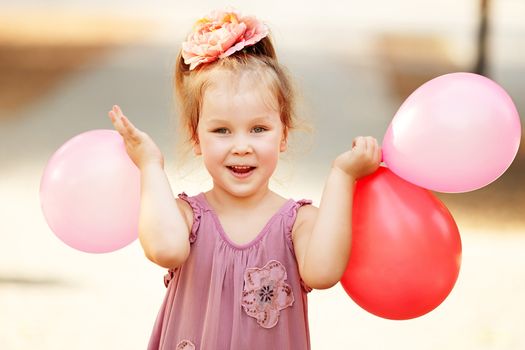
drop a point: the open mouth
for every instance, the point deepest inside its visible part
(241, 170)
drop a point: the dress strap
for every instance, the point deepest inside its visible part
(291, 216)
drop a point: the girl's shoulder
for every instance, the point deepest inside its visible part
(305, 219)
(186, 210)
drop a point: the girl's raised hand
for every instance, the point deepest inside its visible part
(139, 146)
(363, 159)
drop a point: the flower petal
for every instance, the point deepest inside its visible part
(284, 297)
(219, 35)
(277, 270)
(268, 318)
(185, 345)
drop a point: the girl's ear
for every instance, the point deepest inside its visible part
(284, 141)
(197, 148)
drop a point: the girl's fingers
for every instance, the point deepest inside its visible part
(111, 117)
(122, 124)
(114, 120)
(362, 144)
(125, 121)
(117, 109)
(354, 143)
(376, 155)
(117, 123)
(118, 112)
(130, 129)
(369, 144)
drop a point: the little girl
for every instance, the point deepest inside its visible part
(241, 258)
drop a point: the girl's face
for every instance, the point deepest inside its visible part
(239, 135)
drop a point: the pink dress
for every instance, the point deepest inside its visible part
(237, 297)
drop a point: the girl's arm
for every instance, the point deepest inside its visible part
(322, 237)
(164, 222)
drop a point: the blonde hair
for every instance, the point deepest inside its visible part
(259, 59)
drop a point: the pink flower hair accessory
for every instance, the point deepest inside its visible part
(219, 35)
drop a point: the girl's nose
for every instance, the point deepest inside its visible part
(241, 145)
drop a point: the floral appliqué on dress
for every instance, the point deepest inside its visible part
(185, 345)
(265, 293)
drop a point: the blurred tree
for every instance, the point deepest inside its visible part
(482, 38)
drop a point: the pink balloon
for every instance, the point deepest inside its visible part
(456, 133)
(90, 193)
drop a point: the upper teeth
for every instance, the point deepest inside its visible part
(241, 167)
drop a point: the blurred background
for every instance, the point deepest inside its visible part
(63, 64)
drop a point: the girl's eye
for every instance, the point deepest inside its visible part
(259, 129)
(221, 131)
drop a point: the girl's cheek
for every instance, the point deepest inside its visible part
(216, 145)
(221, 143)
(267, 143)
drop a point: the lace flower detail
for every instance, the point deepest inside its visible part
(265, 293)
(185, 345)
(219, 35)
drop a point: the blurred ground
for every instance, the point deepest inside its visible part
(60, 71)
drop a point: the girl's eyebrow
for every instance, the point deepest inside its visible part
(218, 121)
(262, 119)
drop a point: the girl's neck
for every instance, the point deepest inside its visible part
(221, 199)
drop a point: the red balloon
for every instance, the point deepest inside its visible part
(406, 248)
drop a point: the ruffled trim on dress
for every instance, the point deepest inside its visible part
(292, 213)
(197, 214)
